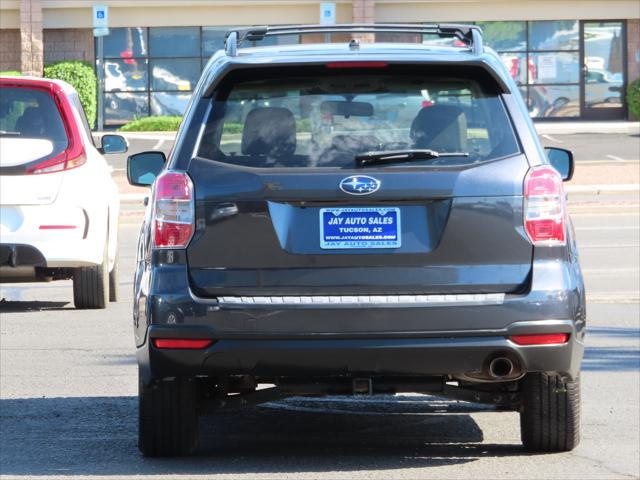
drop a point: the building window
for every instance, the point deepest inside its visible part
(153, 71)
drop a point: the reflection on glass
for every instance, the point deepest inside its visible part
(554, 101)
(169, 103)
(279, 40)
(176, 74)
(505, 36)
(125, 75)
(213, 39)
(524, 93)
(174, 42)
(121, 108)
(125, 43)
(516, 64)
(603, 58)
(554, 67)
(554, 35)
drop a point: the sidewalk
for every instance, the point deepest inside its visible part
(572, 128)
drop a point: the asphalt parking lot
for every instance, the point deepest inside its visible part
(68, 386)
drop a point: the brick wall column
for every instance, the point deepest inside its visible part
(31, 46)
(364, 11)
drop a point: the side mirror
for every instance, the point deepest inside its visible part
(113, 144)
(143, 168)
(562, 161)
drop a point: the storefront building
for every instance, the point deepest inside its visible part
(571, 58)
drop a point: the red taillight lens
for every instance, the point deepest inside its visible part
(544, 206)
(540, 339)
(173, 220)
(182, 343)
(65, 161)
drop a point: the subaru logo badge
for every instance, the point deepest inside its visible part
(359, 185)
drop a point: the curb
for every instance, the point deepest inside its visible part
(597, 189)
(571, 128)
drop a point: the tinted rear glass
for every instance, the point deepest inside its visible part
(325, 119)
(29, 113)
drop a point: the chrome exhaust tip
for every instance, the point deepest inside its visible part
(501, 367)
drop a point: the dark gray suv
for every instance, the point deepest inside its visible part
(357, 218)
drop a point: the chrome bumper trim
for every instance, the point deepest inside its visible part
(368, 300)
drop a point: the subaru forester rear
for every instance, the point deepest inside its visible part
(357, 218)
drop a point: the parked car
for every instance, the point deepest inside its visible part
(58, 203)
(428, 253)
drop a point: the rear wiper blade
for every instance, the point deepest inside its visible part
(402, 156)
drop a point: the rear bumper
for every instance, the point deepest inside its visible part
(463, 353)
(429, 337)
(59, 232)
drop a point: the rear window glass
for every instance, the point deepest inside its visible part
(28, 113)
(325, 120)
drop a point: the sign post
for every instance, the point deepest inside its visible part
(100, 29)
(327, 17)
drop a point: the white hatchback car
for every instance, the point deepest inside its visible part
(59, 205)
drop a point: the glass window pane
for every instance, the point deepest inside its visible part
(180, 74)
(174, 42)
(554, 101)
(169, 103)
(554, 35)
(121, 108)
(554, 67)
(516, 64)
(603, 52)
(213, 39)
(126, 43)
(279, 40)
(505, 36)
(125, 75)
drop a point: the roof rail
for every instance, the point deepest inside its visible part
(469, 34)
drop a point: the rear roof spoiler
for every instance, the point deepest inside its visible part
(471, 35)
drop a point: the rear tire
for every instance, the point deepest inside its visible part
(114, 280)
(91, 285)
(168, 418)
(550, 418)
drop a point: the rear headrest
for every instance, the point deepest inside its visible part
(440, 127)
(269, 131)
(358, 143)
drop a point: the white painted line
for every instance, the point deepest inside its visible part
(617, 159)
(603, 162)
(610, 271)
(603, 214)
(158, 144)
(608, 227)
(150, 135)
(619, 187)
(132, 197)
(549, 137)
(613, 297)
(609, 245)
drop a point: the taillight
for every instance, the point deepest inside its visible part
(182, 343)
(67, 160)
(544, 206)
(173, 215)
(74, 155)
(540, 339)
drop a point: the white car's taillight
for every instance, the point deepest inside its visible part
(544, 206)
(173, 210)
